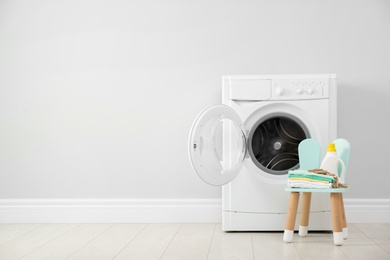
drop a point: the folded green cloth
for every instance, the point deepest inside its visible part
(295, 174)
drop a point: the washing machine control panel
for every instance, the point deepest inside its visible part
(290, 89)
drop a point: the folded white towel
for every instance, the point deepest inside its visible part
(308, 184)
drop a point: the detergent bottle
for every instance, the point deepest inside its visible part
(331, 162)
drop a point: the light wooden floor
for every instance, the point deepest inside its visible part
(182, 241)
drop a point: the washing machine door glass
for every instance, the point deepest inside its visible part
(217, 144)
(274, 143)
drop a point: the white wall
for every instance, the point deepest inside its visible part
(97, 97)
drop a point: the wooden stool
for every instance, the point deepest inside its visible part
(309, 158)
(340, 230)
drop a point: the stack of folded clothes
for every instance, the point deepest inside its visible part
(311, 179)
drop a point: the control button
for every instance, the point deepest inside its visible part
(280, 91)
(310, 91)
(299, 91)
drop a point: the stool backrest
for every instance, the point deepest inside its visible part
(343, 148)
(309, 152)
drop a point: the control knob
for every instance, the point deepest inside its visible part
(299, 91)
(280, 91)
(310, 91)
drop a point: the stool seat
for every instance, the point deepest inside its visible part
(330, 190)
(309, 154)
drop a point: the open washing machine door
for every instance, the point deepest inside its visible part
(217, 144)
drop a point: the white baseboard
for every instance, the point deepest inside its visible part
(367, 210)
(153, 210)
(110, 210)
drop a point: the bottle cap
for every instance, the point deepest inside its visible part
(331, 147)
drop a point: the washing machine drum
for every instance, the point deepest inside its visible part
(273, 144)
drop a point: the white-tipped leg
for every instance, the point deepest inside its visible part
(288, 236)
(303, 230)
(338, 238)
(345, 232)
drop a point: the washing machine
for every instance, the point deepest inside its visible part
(248, 144)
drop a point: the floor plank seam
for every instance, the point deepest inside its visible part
(372, 240)
(50, 240)
(131, 240)
(173, 237)
(21, 235)
(90, 241)
(212, 238)
(253, 249)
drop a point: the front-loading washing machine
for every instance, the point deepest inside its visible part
(248, 144)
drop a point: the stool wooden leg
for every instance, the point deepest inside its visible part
(343, 218)
(336, 219)
(291, 216)
(305, 212)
